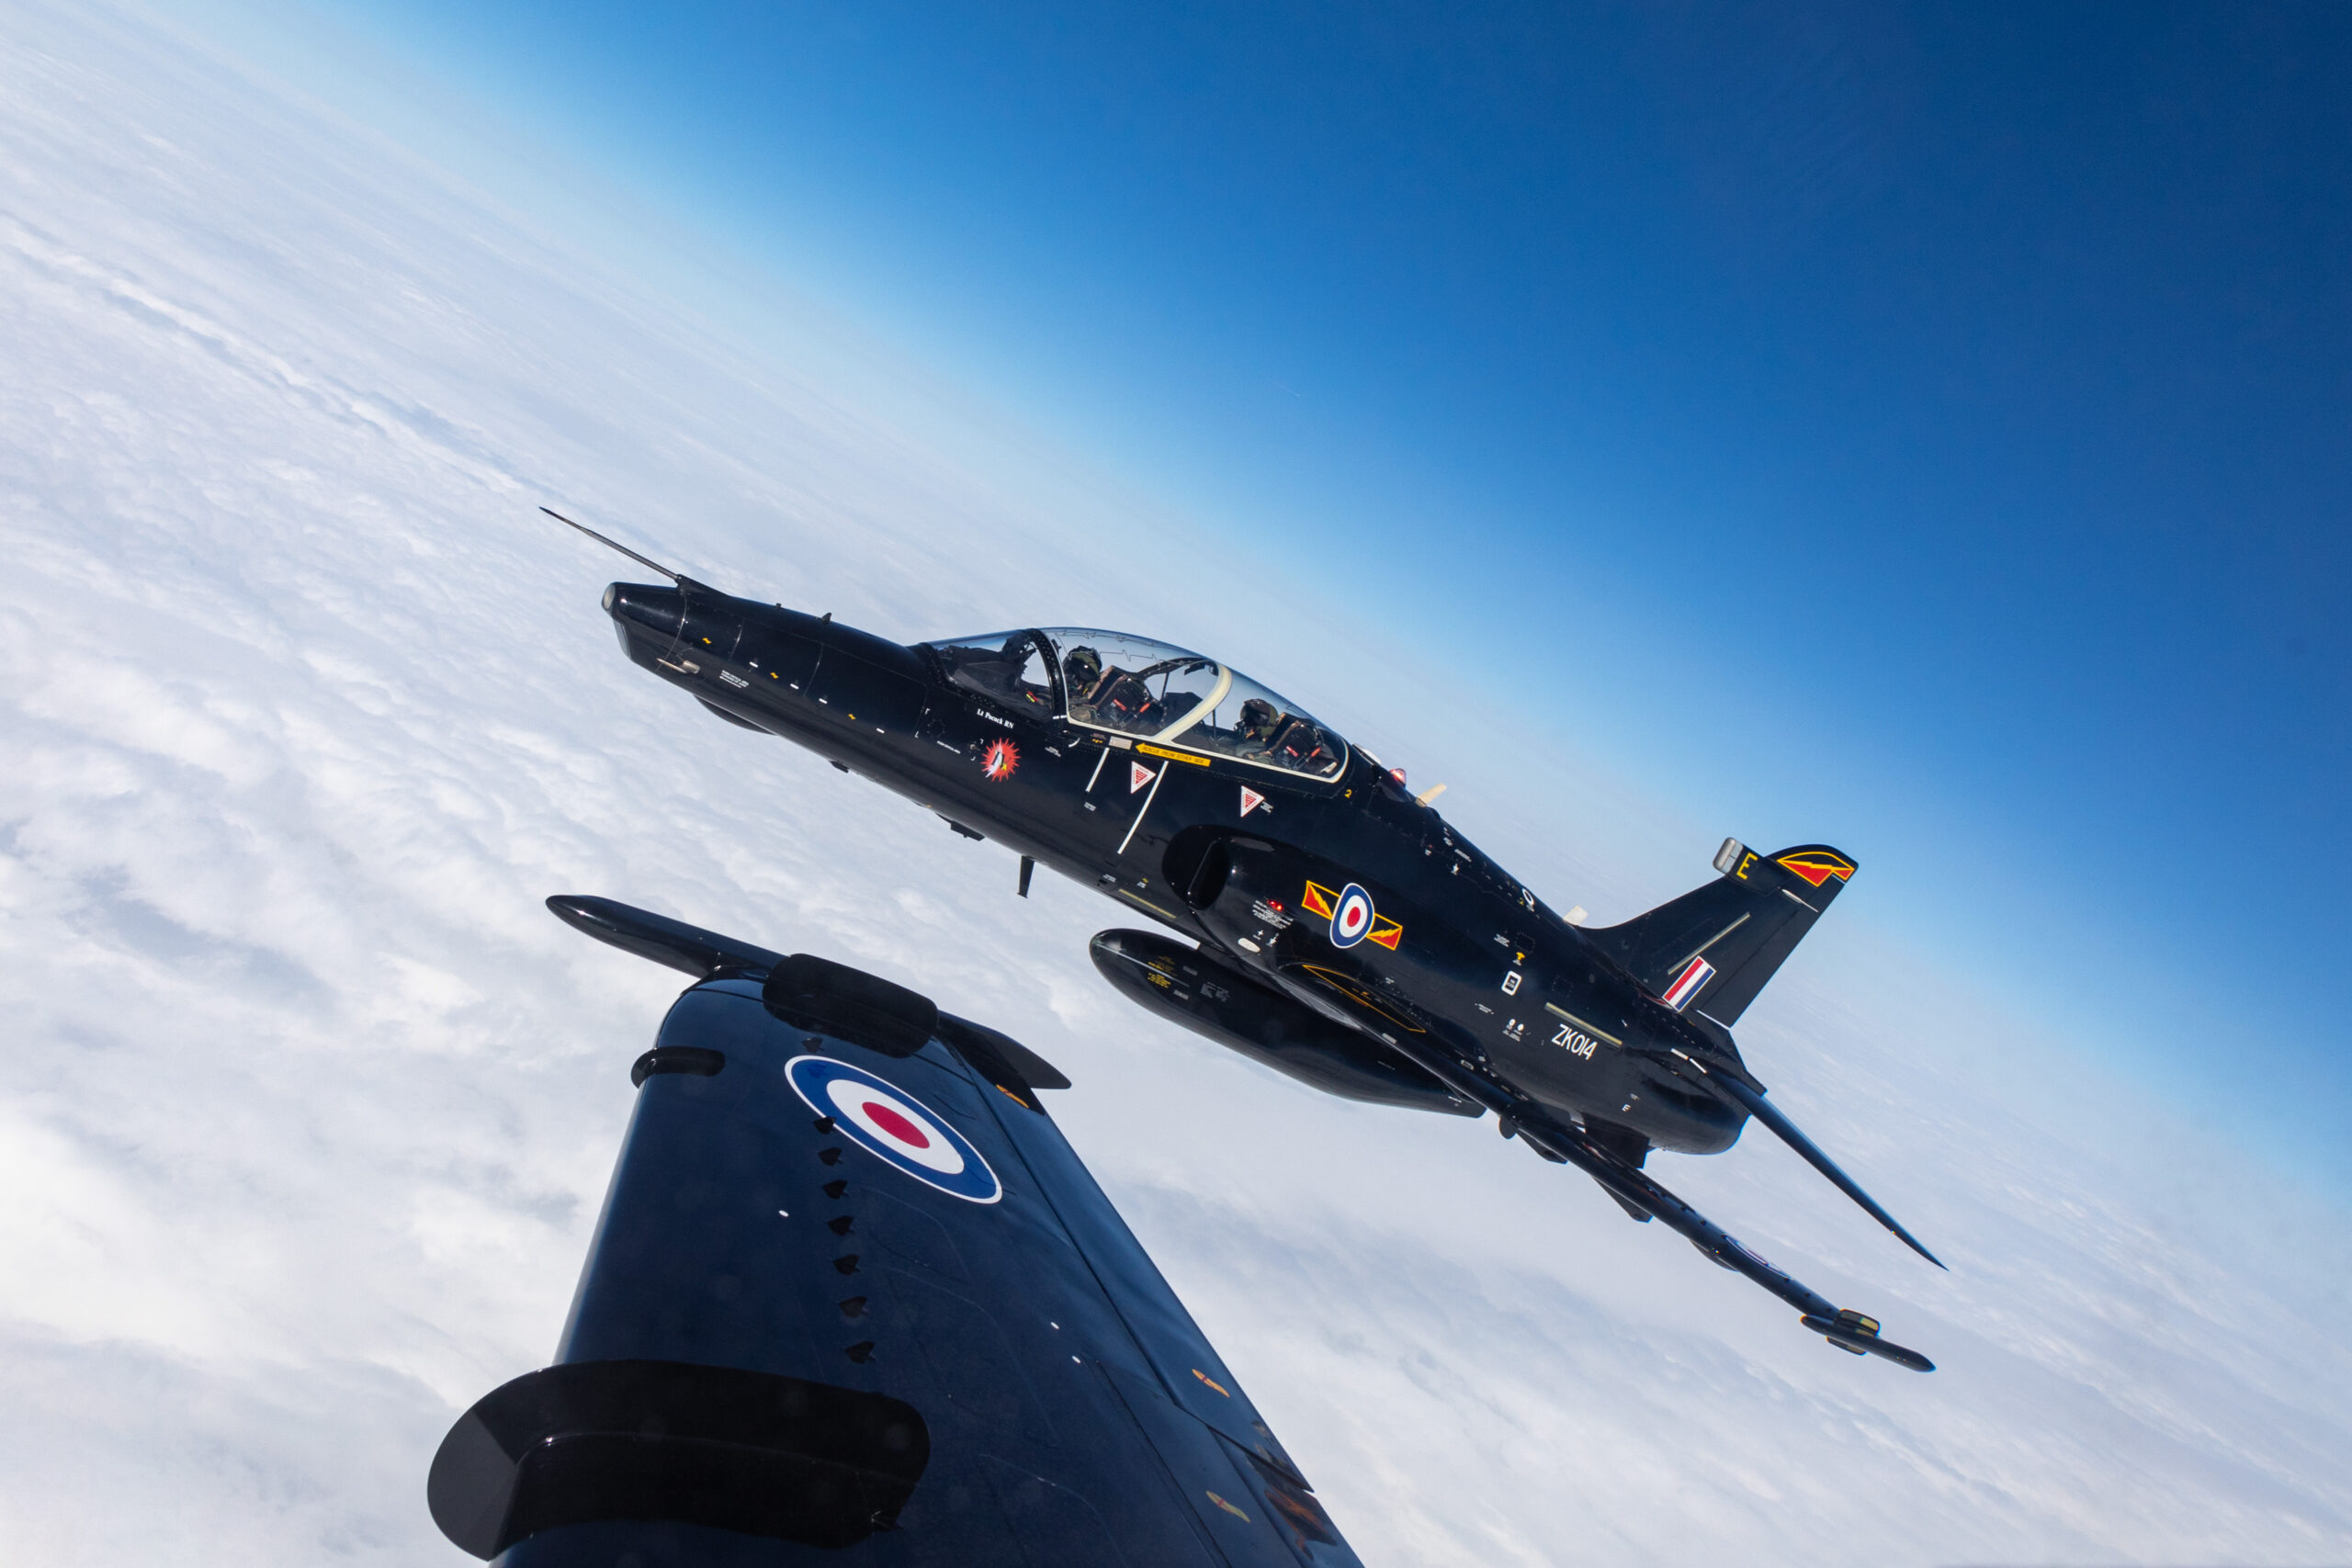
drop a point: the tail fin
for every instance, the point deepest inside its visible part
(1714, 948)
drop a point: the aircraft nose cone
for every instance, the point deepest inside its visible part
(658, 609)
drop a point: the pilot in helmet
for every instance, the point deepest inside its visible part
(1081, 669)
(1259, 722)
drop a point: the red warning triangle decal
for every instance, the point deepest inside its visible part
(1138, 777)
(1250, 800)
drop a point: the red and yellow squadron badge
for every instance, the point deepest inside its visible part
(1000, 759)
(1817, 866)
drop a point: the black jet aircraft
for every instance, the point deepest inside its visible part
(1328, 922)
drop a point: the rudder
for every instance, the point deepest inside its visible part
(1712, 948)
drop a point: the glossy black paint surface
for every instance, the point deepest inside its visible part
(1596, 1046)
(785, 1349)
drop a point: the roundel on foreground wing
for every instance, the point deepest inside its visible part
(893, 1126)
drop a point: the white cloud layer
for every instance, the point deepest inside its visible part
(306, 1105)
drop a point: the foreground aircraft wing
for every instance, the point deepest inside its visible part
(854, 1299)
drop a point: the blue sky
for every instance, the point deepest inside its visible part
(1921, 430)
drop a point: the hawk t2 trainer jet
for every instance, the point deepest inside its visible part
(1327, 921)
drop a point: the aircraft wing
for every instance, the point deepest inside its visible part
(853, 1298)
(1847, 1329)
(1565, 1144)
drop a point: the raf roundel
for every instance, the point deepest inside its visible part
(1352, 917)
(893, 1126)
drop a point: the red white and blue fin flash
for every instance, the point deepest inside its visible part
(1352, 917)
(1694, 975)
(894, 1127)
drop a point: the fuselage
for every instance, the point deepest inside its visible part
(1197, 799)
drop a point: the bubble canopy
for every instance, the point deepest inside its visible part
(1136, 686)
